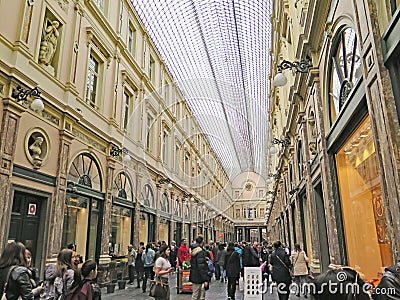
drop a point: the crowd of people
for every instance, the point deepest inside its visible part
(63, 280)
(70, 278)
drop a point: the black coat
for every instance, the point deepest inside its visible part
(280, 272)
(232, 264)
(19, 283)
(390, 282)
(198, 266)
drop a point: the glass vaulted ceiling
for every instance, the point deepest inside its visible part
(218, 53)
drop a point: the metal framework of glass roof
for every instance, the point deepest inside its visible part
(218, 53)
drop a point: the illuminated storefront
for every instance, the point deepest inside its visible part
(83, 207)
(365, 228)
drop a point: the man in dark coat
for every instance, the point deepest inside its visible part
(199, 270)
(232, 267)
(280, 262)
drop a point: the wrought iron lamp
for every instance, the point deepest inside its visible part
(285, 142)
(187, 195)
(20, 95)
(301, 66)
(166, 180)
(115, 152)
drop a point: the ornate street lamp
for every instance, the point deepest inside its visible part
(301, 66)
(20, 95)
(115, 152)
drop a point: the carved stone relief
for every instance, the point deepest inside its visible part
(36, 147)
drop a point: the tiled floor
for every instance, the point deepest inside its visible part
(218, 291)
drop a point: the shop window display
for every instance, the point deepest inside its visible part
(365, 228)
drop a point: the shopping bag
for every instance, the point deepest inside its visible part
(241, 284)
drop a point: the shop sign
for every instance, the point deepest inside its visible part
(186, 284)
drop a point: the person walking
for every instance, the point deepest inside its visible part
(139, 265)
(148, 257)
(173, 255)
(280, 262)
(163, 268)
(199, 270)
(183, 252)
(14, 275)
(131, 263)
(299, 262)
(221, 262)
(86, 288)
(64, 272)
(232, 267)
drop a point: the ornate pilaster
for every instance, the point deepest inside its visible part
(8, 141)
(57, 207)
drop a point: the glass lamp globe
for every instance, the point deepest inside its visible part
(37, 105)
(279, 80)
(126, 158)
(272, 150)
(169, 186)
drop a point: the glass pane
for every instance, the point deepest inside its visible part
(143, 228)
(75, 224)
(362, 204)
(121, 224)
(93, 232)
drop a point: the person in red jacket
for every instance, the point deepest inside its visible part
(183, 252)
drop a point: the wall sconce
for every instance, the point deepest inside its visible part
(295, 190)
(190, 196)
(115, 152)
(166, 180)
(301, 66)
(285, 142)
(20, 95)
(276, 176)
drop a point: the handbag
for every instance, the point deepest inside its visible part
(289, 269)
(4, 296)
(158, 289)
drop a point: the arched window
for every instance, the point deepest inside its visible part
(85, 171)
(164, 203)
(122, 187)
(148, 196)
(345, 70)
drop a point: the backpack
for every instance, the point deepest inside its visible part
(77, 291)
(211, 268)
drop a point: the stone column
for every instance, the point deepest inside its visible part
(105, 237)
(136, 240)
(58, 202)
(8, 134)
(384, 117)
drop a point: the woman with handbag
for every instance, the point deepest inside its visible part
(159, 288)
(299, 261)
(280, 263)
(14, 275)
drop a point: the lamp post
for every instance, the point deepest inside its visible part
(115, 152)
(301, 66)
(20, 95)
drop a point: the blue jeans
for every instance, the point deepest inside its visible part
(223, 272)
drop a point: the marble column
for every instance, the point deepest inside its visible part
(8, 135)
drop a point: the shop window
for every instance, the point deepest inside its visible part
(144, 228)
(363, 209)
(120, 233)
(164, 206)
(86, 172)
(345, 70)
(148, 196)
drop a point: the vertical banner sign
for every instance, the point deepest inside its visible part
(252, 283)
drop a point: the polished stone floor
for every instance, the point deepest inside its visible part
(218, 291)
